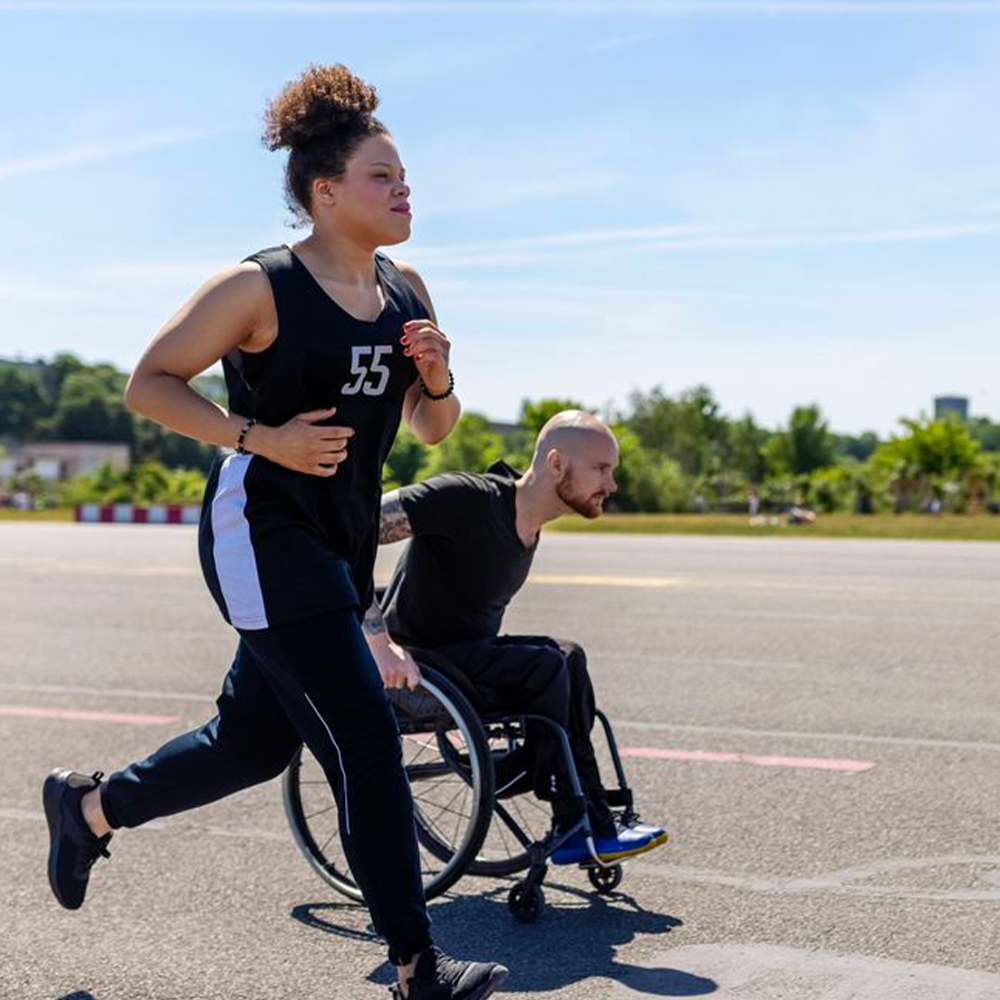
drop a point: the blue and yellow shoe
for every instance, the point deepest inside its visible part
(627, 843)
(657, 833)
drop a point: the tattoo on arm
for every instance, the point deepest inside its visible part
(373, 623)
(394, 525)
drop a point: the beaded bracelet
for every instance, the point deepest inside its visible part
(440, 395)
(240, 450)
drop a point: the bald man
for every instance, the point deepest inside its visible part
(473, 538)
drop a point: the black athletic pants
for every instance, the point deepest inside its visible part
(541, 676)
(314, 682)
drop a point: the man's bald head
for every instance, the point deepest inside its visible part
(577, 454)
(570, 432)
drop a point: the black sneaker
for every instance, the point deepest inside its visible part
(438, 977)
(73, 848)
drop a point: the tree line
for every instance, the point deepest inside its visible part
(678, 452)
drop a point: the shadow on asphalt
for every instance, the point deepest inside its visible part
(568, 945)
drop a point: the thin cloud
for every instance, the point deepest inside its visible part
(94, 152)
(545, 248)
(579, 238)
(765, 8)
(681, 239)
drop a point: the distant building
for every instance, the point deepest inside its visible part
(946, 406)
(62, 459)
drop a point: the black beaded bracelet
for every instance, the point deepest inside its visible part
(440, 395)
(240, 450)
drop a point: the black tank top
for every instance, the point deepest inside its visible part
(278, 545)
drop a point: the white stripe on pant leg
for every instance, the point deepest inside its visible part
(340, 758)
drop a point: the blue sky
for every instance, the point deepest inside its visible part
(790, 202)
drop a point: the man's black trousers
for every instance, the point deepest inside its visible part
(541, 676)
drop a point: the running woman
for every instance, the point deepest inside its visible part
(325, 345)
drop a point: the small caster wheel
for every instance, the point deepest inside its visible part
(526, 901)
(605, 880)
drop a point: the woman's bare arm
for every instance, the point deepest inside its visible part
(430, 420)
(233, 309)
(225, 313)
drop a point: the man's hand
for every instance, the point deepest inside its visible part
(397, 667)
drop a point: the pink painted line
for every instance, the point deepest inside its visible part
(709, 756)
(78, 715)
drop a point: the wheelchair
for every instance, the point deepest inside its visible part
(464, 823)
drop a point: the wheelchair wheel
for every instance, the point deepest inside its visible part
(605, 880)
(447, 763)
(526, 901)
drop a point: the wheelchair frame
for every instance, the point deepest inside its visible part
(428, 716)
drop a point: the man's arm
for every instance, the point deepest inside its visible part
(394, 525)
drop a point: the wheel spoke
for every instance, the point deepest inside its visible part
(518, 833)
(320, 812)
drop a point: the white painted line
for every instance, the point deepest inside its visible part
(849, 881)
(599, 580)
(79, 566)
(666, 727)
(760, 760)
(173, 824)
(906, 741)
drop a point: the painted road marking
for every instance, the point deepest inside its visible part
(714, 757)
(905, 741)
(707, 583)
(599, 580)
(849, 881)
(81, 715)
(767, 972)
(779, 734)
(173, 823)
(107, 692)
(79, 566)
(837, 882)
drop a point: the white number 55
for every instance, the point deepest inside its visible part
(362, 383)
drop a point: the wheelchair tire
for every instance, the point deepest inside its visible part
(449, 712)
(526, 901)
(605, 880)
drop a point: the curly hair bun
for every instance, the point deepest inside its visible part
(326, 101)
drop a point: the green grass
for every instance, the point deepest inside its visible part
(55, 514)
(948, 527)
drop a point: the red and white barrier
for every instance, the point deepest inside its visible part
(129, 513)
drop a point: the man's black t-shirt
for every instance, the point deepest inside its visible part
(465, 560)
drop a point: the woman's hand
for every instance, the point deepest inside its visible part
(430, 350)
(300, 445)
(396, 666)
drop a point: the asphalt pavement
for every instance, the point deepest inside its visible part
(815, 721)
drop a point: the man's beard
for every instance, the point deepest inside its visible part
(590, 506)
